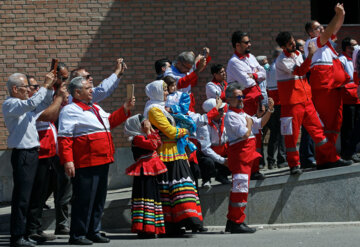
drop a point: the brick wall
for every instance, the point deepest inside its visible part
(94, 33)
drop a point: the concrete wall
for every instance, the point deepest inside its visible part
(117, 176)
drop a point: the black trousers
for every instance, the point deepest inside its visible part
(89, 195)
(62, 194)
(24, 163)
(38, 195)
(307, 147)
(209, 168)
(350, 129)
(276, 140)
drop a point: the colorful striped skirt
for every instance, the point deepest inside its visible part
(146, 209)
(179, 196)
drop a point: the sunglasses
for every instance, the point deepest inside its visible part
(87, 77)
(35, 86)
(246, 42)
(240, 97)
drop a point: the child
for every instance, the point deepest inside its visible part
(146, 210)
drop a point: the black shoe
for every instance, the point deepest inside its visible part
(354, 157)
(232, 227)
(339, 163)
(62, 231)
(80, 241)
(222, 180)
(282, 165)
(261, 166)
(270, 166)
(41, 237)
(22, 242)
(200, 229)
(296, 170)
(257, 176)
(309, 164)
(99, 239)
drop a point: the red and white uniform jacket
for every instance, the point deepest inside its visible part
(214, 88)
(291, 79)
(84, 134)
(48, 139)
(271, 84)
(213, 140)
(349, 94)
(240, 66)
(326, 69)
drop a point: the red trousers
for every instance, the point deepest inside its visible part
(241, 159)
(305, 114)
(328, 103)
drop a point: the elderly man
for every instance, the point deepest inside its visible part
(86, 149)
(180, 70)
(20, 114)
(242, 155)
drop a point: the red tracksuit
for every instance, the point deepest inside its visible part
(297, 109)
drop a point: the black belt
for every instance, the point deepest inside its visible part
(28, 149)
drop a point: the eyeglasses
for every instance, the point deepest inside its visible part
(187, 66)
(246, 42)
(27, 86)
(319, 27)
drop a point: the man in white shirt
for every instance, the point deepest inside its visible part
(242, 155)
(20, 114)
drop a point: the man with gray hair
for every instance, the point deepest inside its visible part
(84, 127)
(242, 155)
(185, 69)
(20, 114)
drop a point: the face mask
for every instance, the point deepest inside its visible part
(267, 67)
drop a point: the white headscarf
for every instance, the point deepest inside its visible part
(133, 126)
(155, 91)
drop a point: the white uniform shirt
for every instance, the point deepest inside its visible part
(271, 77)
(235, 124)
(212, 90)
(20, 118)
(348, 66)
(238, 69)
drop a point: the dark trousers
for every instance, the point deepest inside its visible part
(350, 129)
(38, 195)
(209, 168)
(62, 194)
(276, 140)
(89, 195)
(306, 147)
(24, 163)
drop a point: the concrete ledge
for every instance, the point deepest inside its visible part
(315, 196)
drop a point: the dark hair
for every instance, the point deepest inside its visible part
(75, 73)
(60, 66)
(283, 38)
(237, 37)
(308, 26)
(169, 80)
(215, 68)
(345, 43)
(161, 63)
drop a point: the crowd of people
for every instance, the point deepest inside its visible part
(59, 129)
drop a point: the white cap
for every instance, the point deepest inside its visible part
(209, 104)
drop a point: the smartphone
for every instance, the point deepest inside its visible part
(130, 88)
(205, 53)
(54, 64)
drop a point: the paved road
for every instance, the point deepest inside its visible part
(328, 236)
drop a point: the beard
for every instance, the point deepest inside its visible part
(247, 51)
